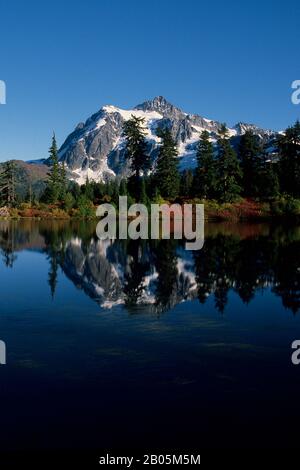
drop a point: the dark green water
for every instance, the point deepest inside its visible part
(147, 345)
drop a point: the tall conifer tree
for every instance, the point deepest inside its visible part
(54, 177)
(166, 172)
(268, 180)
(63, 181)
(205, 176)
(8, 184)
(136, 152)
(229, 173)
(250, 155)
(289, 153)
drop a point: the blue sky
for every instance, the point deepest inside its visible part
(63, 60)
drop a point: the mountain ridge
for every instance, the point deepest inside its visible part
(95, 149)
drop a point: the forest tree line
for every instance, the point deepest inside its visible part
(222, 173)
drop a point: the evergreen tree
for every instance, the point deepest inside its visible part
(99, 190)
(63, 181)
(268, 180)
(88, 190)
(108, 190)
(156, 195)
(144, 197)
(228, 169)
(250, 158)
(69, 201)
(29, 195)
(289, 153)
(115, 192)
(186, 183)
(166, 172)
(8, 184)
(123, 188)
(205, 177)
(54, 177)
(85, 206)
(75, 190)
(136, 152)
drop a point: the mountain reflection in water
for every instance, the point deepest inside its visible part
(157, 275)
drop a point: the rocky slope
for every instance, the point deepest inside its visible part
(29, 175)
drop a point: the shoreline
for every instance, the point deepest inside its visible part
(244, 210)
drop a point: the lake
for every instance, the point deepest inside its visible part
(147, 345)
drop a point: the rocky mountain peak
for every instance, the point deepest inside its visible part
(160, 105)
(242, 127)
(95, 149)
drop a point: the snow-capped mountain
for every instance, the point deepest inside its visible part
(96, 148)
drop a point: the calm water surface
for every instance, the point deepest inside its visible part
(145, 345)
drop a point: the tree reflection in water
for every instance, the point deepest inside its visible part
(244, 258)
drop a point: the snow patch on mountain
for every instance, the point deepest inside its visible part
(95, 149)
(81, 176)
